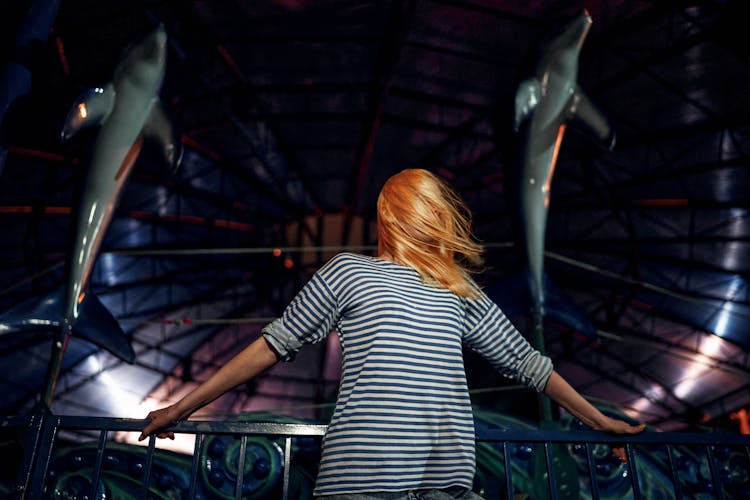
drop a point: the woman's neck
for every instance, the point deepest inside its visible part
(390, 258)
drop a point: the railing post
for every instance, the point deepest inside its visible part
(98, 464)
(30, 440)
(550, 470)
(194, 465)
(633, 471)
(240, 469)
(287, 466)
(592, 472)
(37, 453)
(675, 473)
(147, 467)
(508, 472)
(715, 479)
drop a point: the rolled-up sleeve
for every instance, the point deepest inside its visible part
(491, 334)
(307, 319)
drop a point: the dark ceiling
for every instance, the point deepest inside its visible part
(294, 112)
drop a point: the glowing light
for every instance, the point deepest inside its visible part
(653, 393)
(183, 443)
(129, 405)
(710, 346)
(276, 252)
(94, 364)
(76, 289)
(722, 321)
(685, 387)
(92, 212)
(742, 416)
(81, 296)
(656, 392)
(641, 404)
(82, 110)
(32, 321)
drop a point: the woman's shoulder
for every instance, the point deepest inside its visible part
(343, 267)
(349, 257)
(343, 260)
(348, 262)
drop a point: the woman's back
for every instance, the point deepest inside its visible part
(403, 416)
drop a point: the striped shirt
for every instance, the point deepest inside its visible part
(403, 418)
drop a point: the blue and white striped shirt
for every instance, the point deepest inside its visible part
(403, 417)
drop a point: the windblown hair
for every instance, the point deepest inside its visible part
(424, 224)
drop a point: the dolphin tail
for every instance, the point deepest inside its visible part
(592, 120)
(513, 295)
(95, 323)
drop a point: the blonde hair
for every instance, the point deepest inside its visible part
(424, 224)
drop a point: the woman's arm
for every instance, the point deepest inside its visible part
(251, 361)
(567, 397)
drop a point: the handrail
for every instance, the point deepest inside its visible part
(40, 430)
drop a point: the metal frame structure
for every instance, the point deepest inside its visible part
(42, 429)
(631, 231)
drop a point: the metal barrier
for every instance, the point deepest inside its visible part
(38, 433)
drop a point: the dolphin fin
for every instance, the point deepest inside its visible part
(97, 325)
(33, 314)
(528, 95)
(90, 109)
(513, 296)
(160, 126)
(587, 116)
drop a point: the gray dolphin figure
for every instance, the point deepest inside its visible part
(126, 109)
(544, 104)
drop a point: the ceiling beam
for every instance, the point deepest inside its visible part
(397, 29)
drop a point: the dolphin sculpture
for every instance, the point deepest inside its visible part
(126, 109)
(544, 104)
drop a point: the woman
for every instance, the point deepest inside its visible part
(403, 420)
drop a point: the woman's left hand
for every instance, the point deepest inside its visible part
(160, 419)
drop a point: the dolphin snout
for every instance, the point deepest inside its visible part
(581, 27)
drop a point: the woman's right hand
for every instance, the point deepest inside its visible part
(160, 419)
(617, 426)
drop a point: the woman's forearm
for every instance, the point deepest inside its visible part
(251, 361)
(567, 397)
(255, 358)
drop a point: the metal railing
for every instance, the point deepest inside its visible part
(38, 433)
